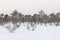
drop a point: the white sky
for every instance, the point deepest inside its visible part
(29, 6)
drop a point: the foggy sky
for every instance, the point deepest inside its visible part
(29, 6)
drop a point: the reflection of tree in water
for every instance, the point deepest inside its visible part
(31, 26)
(15, 20)
(12, 27)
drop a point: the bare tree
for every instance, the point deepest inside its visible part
(41, 14)
(52, 18)
(14, 16)
(58, 18)
(45, 18)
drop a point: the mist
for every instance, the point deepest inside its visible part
(29, 6)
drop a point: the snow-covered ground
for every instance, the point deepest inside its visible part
(40, 33)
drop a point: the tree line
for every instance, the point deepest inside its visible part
(32, 20)
(41, 18)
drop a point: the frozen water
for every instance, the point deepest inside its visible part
(43, 32)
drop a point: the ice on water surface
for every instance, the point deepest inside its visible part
(27, 27)
(41, 32)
